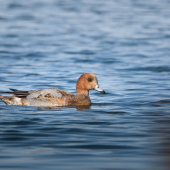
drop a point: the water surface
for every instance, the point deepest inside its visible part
(49, 44)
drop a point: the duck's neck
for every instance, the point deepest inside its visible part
(82, 92)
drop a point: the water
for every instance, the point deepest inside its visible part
(48, 44)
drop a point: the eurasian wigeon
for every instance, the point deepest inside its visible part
(55, 97)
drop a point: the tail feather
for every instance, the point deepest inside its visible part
(6, 99)
(17, 93)
(16, 98)
(13, 89)
(11, 100)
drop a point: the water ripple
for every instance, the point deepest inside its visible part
(49, 44)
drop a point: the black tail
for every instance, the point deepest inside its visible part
(17, 93)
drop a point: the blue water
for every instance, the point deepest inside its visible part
(49, 44)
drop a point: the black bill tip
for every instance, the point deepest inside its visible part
(103, 92)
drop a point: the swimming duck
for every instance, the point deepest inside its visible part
(55, 97)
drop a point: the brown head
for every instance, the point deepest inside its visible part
(86, 82)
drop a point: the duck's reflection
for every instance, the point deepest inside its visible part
(83, 107)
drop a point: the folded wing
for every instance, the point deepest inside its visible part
(40, 94)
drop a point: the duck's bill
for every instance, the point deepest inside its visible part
(97, 88)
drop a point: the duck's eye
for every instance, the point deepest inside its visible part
(89, 80)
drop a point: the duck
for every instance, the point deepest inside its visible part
(52, 97)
